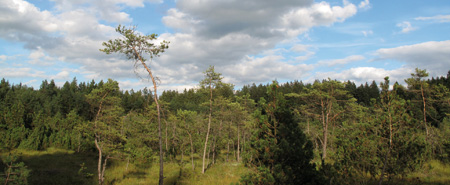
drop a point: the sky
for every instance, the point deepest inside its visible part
(251, 41)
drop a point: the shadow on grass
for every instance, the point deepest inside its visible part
(60, 167)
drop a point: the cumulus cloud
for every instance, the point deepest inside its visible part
(343, 61)
(63, 75)
(437, 18)
(406, 27)
(433, 56)
(361, 75)
(264, 69)
(228, 34)
(364, 4)
(22, 73)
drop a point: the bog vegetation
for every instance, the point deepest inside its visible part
(325, 132)
(291, 133)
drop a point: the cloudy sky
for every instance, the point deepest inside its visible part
(251, 41)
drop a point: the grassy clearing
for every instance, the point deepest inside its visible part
(175, 173)
(58, 166)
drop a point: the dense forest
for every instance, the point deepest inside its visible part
(326, 132)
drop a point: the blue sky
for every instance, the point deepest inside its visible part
(252, 41)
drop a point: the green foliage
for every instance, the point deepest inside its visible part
(15, 173)
(371, 134)
(280, 152)
(134, 45)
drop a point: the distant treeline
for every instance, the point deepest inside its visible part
(349, 130)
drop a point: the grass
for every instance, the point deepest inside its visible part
(58, 166)
(174, 173)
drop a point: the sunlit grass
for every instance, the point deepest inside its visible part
(176, 173)
(59, 166)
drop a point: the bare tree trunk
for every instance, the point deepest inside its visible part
(214, 150)
(128, 162)
(238, 143)
(167, 145)
(209, 125)
(229, 138)
(325, 132)
(99, 164)
(192, 151)
(161, 166)
(209, 153)
(104, 168)
(424, 111)
(243, 133)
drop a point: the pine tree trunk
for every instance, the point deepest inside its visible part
(161, 166)
(424, 111)
(192, 152)
(214, 151)
(325, 133)
(209, 126)
(238, 143)
(99, 164)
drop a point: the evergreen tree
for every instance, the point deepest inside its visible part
(280, 152)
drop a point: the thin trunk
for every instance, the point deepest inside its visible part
(307, 128)
(192, 152)
(209, 125)
(243, 146)
(104, 168)
(182, 155)
(228, 148)
(99, 164)
(234, 150)
(128, 162)
(209, 153)
(161, 166)
(384, 167)
(167, 145)
(79, 143)
(214, 150)
(424, 111)
(229, 138)
(238, 143)
(8, 173)
(325, 132)
(97, 145)
(161, 175)
(175, 140)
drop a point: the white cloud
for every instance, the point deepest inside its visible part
(367, 33)
(364, 5)
(438, 18)
(406, 27)
(433, 56)
(361, 75)
(343, 61)
(63, 75)
(264, 69)
(21, 73)
(228, 33)
(221, 33)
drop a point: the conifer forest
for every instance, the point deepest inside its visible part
(325, 132)
(280, 133)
